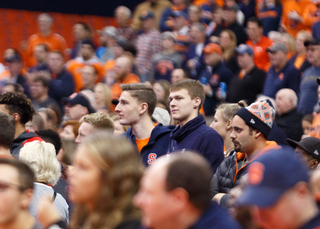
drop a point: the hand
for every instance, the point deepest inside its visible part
(48, 213)
(207, 89)
(191, 64)
(44, 74)
(293, 15)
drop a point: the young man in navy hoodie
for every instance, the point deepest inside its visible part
(186, 99)
(136, 105)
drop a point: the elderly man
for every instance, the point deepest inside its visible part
(309, 86)
(46, 36)
(281, 74)
(123, 16)
(171, 198)
(278, 188)
(287, 116)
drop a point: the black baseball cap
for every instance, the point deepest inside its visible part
(314, 41)
(79, 99)
(310, 145)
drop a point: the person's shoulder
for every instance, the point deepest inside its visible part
(131, 78)
(58, 37)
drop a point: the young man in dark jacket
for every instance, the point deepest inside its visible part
(186, 99)
(20, 108)
(136, 105)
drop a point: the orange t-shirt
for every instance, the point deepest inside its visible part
(261, 57)
(75, 66)
(293, 27)
(141, 143)
(299, 61)
(203, 2)
(53, 40)
(310, 15)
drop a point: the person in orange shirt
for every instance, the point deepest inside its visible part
(123, 75)
(87, 57)
(292, 19)
(311, 14)
(259, 43)
(46, 36)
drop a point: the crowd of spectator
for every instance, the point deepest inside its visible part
(188, 114)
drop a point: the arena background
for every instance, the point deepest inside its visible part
(18, 17)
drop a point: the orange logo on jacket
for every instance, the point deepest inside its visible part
(281, 76)
(152, 157)
(255, 173)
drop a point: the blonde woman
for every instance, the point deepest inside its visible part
(105, 177)
(102, 96)
(228, 43)
(222, 123)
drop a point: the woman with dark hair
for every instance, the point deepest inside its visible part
(270, 14)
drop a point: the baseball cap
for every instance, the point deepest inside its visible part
(211, 48)
(79, 99)
(310, 144)
(318, 80)
(180, 14)
(146, 15)
(109, 30)
(242, 49)
(13, 58)
(314, 41)
(258, 115)
(271, 175)
(277, 47)
(231, 6)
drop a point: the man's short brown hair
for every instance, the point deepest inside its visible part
(194, 88)
(144, 93)
(101, 121)
(196, 181)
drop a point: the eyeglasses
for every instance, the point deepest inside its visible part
(4, 186)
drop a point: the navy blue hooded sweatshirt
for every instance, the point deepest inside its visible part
(196, 136)
(22, 139)
(157, 145)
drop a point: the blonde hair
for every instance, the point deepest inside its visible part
(107, 94)
(41, 157)
(99, 121)
(228, 53)
(291, 42)
(230, 109)
(121, 170)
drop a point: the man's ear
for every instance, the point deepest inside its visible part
(26, 198)
(257, 133)
(196, 103)
(16, 117)
(143, 108)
